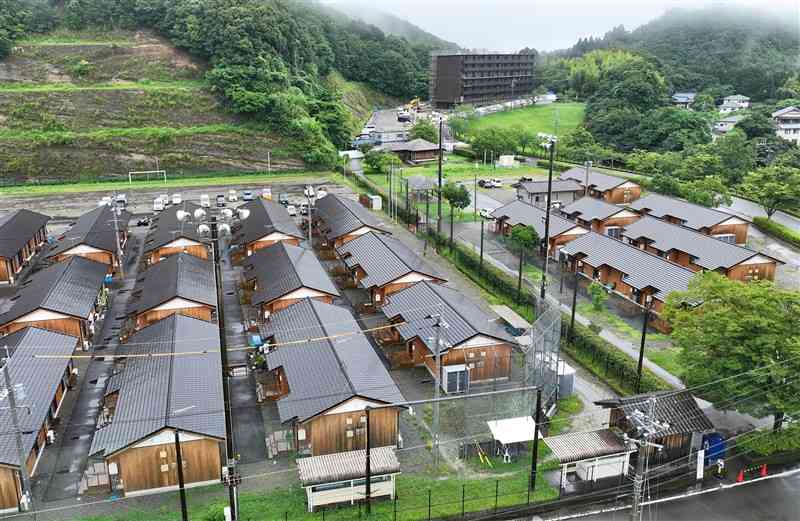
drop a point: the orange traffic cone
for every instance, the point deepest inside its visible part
(763, 470)
(740, 476)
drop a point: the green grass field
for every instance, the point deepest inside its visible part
(555, 118)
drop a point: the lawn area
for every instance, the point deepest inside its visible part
(562, 420)
(666, 358)
(179, 182)
(458, 168)
(609, 320)
(459, 216)
(555, 118)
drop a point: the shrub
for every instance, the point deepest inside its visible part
(762, 444)
(777, 230)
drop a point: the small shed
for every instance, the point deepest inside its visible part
(589, 456)
(341, 477)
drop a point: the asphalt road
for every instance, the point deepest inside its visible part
(771, 500)
(750, 209)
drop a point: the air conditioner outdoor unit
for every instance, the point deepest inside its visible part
(51, 436)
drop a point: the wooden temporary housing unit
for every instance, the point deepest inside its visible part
(169, 236)
(535, 192)
(268, 223)
(94, 237)
(474, 347)
(708, 221)
(520, 213)
(590, 457)
(383, 265)
(609, 188)
(600, 216)
(22, 234)
(180, 284)
(68, 297)
(683, 422)
(282, 274)
(44, 382)
(340, 220)
(699, 252)
(636, 274)
(341, 477)
(414, 152)
(152, 397)
(324, 374)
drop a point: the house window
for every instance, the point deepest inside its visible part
(726, 237)
(301, 434)
(615, 232)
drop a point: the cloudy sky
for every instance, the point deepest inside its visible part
(544, 24)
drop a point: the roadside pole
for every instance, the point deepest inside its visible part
(115, 209)
(367, 482)
(551, 144)
(26, 499)
(535, 448)
(181, 483)
(439, 194)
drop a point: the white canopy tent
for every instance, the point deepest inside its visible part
(513, 430)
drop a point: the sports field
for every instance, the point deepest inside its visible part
(554, 118)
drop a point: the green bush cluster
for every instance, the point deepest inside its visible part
(777, 230)
(762, 444)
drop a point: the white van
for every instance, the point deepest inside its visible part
(158, 204)
(177, 199)
(205, 201)
(232, 197)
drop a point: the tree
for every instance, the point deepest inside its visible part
(523, 238)
(665, 184)
(598, 295)
(738, 155)
(708, 191)
(525, 137)
(773, 187)
(377, 162)
(457, 196)
(727, 330)
(757, 124)
(424, 129)
(699, 166)
(494, 141)
(672, 128)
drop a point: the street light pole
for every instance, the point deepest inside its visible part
(535, 448)
(550, 144)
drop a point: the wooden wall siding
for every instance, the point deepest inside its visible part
(9, 488)
(104, 257)
(327, 433)
(558, 241)
(496, 362)
(199, 251)
(148, 317)
(748, 272)
(140, 468)
(739, 230)
(277, 305)
(257, 245)
(600, 226)
(68, 326)
(617, 195)
(5, 271)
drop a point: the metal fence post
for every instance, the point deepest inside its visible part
(463, 493)
(394, 507)
(496, 493)
(429, 504)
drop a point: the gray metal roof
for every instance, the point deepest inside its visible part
(384, 259)
(166, 227)
(591, 208)
(420, 183)
(70, 287)
(344, 466)
(17, 228)
(181, 275)
(95, 229)
(180, 392)
(415, 145)
(326, 359)
(266, 217)
(784, 111)
(692, 216)
(578, 446)
(678, 409)
(462, 316)
(597, 180)
(559, 185)
(707, 252)
(520, 212)
(38, 379)
(342, 216)
(282, 268)
(641, 269)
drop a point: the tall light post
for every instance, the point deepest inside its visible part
(311, 198)
(549, 144)
(212, 227)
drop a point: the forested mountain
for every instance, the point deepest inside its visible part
(391, 24)
(752, 52)
(267, 58)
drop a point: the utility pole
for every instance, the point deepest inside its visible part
(115, 210)
(439, 196)
(645, 423)
(26, 499)
(437, 350)
(181, 484)
(232, 479)
(483, 221)
(535, 449)
(645, 321)
(551, 144)
(368, 463)
(588, 165)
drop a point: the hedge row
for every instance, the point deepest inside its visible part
(778, 230)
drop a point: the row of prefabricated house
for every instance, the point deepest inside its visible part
(646, 248)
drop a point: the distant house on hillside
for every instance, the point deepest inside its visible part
(725, 125)
(683, 100)
(787, 123)
(734, 103)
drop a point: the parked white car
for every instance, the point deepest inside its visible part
(205, 201)
(177, 199)
(158, 204)
(292, 210)
(232, 196)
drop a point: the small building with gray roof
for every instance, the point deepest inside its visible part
(535, 192)
(609, 188)
(416, 151)
(708, 221)
(636, 274)
(171, 382)
(323, 372)
(600, 216)
(339, 219)
(168, 235)
(44, 382)
(520, 213)
(98, 235)
(384, 265)
(282, 274)
(474, 347)
(22, 234)
(699, 252)
(268, 223)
